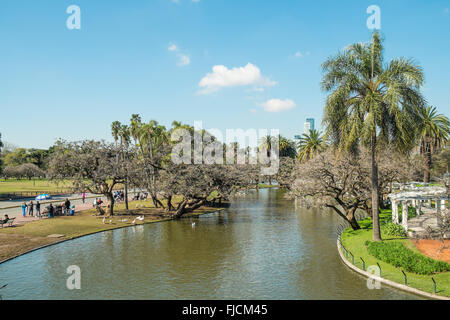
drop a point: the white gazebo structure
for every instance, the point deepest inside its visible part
(420, 198)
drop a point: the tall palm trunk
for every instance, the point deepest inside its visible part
(375, 191)
(427, 156)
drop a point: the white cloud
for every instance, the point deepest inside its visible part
(222, 77)
(172, 47)
(300, 54)
(183, 60)
(277, 105)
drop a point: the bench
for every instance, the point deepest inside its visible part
(9, 222)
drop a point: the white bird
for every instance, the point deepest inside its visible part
(110, 221)
(134, 221)
(140, 218)
(104, 219)
(193, 224)
(124, 220)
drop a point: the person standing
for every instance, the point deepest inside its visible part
(24, 209)
(83, 197)
(31, 209)
(38, 209)
(67, 207)
(51, 211)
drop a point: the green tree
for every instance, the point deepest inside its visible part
(266, 144)
(17, 157)
(1, 155)
(287, 147)
(434, 131)
(371, 102)
(122, 133)
(150, 138)
(310, 144)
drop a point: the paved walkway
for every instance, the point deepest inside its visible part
(20, 219)
(75, 199)
(420, 224)
(79, 206)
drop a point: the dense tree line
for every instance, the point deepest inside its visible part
(23, 163)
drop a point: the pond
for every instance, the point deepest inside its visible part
(259, 248)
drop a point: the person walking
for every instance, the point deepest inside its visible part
(83, 197)
(38, 209)
(24, 209)
(31, 209)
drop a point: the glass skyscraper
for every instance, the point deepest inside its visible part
(309, 125)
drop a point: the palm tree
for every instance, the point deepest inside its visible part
(136, 123)
(371, 102)
(310, 144)
(434, 132)
(151, 137)
(122, 132)
(115, 129)
(286, 147)
(266, 144)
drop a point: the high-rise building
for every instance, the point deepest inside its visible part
(309, 125)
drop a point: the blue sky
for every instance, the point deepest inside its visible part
(149, 57)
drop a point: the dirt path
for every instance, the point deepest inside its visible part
(432, 249)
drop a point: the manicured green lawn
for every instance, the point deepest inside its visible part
(38, 185)
(354, 241)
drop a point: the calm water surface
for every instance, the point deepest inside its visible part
(260, 248)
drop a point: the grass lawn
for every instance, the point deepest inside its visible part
(30, 186)
(20, 239)
(354, 241)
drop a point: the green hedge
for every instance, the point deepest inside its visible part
(392, 229)
(398, 255)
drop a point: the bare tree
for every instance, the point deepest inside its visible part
(342, 181)
(92, 165)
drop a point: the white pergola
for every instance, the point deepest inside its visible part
(418, 197)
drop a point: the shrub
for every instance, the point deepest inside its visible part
(392, 229)
(398, 255)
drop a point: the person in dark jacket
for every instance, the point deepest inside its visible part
(51, 211)
(38, 209)
(67, 207)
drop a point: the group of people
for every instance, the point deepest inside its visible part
(119, 196)
(141, 196)
(28, 209)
